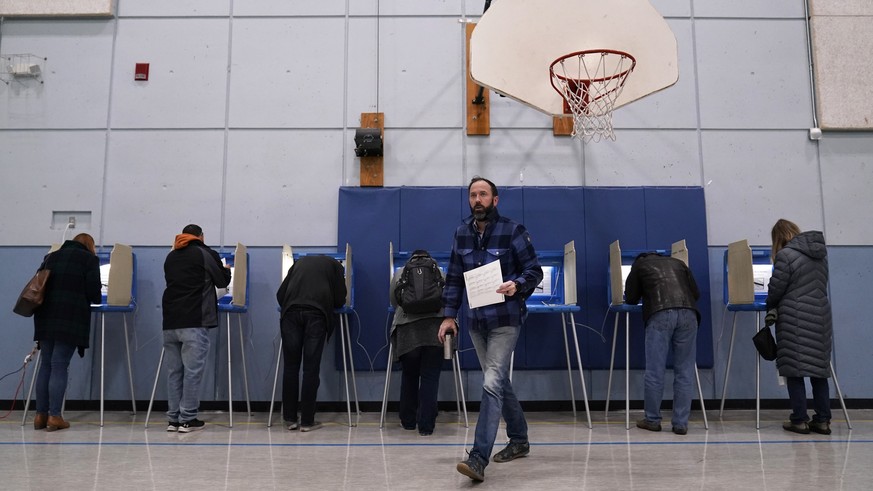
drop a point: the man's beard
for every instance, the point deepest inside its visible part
(482, 213)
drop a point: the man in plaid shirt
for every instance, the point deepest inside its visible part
(485, 237)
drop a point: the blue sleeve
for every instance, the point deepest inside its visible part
(526, 256)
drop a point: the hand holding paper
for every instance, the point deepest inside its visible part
(482, 284)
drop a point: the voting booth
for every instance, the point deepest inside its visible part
(345, 337)
(620, 264)
(234, 300)
(745, 291)
(396, 261)
(747, 274)
(236, 303)
(118, 295)
(557, 294)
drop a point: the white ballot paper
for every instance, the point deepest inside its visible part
(482, 284)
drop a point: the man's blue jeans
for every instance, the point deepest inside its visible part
(51, 383)
(494, 349)
(185, 353)
(666, 329)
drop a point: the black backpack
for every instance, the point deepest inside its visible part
(420, 287)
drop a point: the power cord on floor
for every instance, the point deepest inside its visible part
(27, 359)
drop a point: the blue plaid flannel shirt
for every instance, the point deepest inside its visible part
(503, 240)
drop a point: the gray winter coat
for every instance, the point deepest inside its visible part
(799, 290)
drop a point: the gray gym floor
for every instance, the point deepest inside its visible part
(565, 454)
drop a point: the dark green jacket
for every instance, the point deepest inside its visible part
(73, 285)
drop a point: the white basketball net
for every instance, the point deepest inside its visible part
(590, 83)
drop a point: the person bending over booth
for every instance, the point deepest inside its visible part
(669, 295)
(312, 289)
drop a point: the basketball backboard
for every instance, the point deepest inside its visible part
(516, 41)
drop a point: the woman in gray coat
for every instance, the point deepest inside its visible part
(798, 291)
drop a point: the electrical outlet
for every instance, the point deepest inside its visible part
(72, 222)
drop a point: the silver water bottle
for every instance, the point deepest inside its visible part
(447, 347)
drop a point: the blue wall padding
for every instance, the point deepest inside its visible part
(426, 217)
(550, 214)
(672, 213)
(610, 214)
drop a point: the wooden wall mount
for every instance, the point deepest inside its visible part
(478, 115)
(373, 168)
(562, 125)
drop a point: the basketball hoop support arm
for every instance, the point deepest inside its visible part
(480, 96)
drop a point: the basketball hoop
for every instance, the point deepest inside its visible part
(590, 82)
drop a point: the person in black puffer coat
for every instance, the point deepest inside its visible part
(798, 291)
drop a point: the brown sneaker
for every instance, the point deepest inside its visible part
(56, 423)
(39, 421)
(801, 428)
(822, 428)
(645, 424)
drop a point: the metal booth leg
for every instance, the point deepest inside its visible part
(229, 377)
(242, 349)
(102, 360)
(757, 377)
(345, 319)
(611, 363)
(459, 387)
(275, 383)
(627, 370)
(727, 368)
(840, 394)
(30, 390)
(700, 394)
(345, 371)
(154, 387)
(387, 384)
(581, 371)
(569, 366)
(129, 367)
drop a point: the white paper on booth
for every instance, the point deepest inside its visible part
(482, 284)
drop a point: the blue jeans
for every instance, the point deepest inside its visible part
(666, 329)
(420, 383)
(821, 398)
(303, 336)
(51, 384)
(494, 348)
(185, 353)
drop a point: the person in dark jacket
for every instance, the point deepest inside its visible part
(415, 339)
(798, 291)
(63, 323)
(669, 295)
(190, 307)
(313, 288)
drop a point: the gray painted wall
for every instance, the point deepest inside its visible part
(256, 153)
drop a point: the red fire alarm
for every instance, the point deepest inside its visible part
(142, 72)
